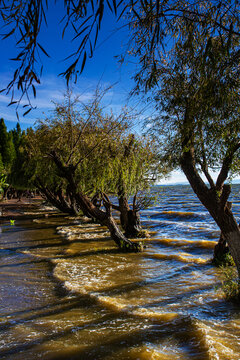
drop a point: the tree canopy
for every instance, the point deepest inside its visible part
(195, 86)
(188, 57)
(81, 154)
(98, 145)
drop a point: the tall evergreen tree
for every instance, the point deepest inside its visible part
(3, 141)
(17, 177)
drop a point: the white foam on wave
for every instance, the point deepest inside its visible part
(220, 343)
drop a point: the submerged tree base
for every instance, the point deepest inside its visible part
(222, 256)
(230, 283)
(131, 246)
(223, 260)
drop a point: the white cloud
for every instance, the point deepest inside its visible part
(52, 89)
(176, 177)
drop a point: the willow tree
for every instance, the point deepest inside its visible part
(134, 168)
(196, 86)
(66, 157)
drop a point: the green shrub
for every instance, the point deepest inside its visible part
(230, 283)
(223, 260)
(143, 233)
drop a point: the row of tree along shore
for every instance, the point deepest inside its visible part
(80, 159)
(187, 55)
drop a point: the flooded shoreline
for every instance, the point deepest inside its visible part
(68, 293)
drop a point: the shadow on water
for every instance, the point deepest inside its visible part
(61, 254)
(39, 246)
(56, 335)
(16, 228)
(50, 309)
(183, 295)
(183, 330)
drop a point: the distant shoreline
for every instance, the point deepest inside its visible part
(185, 183)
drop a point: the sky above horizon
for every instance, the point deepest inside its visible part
(103, 69)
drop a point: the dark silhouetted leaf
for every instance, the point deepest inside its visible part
(84, 61)
(44, 51)
(34, 90)
(11, 103)
(26, 112)
(9, 34)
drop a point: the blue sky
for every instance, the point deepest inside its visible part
(103, 67)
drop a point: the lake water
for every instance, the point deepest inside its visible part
(66, 292)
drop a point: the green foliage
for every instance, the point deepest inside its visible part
(7, 149)
(18, 177)
(224, 260)
(3, 178)
(1, 165)
(3, 141)
(230, 283)
(95, 144)
(12, 157)
(79, 133)
(195, 85)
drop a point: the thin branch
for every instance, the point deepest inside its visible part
(226, 165)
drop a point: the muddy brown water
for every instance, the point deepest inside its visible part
(66, 292)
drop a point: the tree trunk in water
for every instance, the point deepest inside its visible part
(217, 206)
(231, 234)
(105, 218)
(130, 219)
(56, 199)
(133, 226)
(90, 210)
(116, 234)
(221, 249)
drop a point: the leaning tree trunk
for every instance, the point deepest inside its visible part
(56, 198)
(90, 210)
(216, 204)
(231, 233)
(106, 218)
